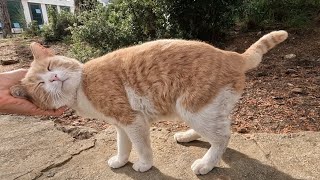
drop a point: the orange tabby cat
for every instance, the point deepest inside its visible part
(133, 86)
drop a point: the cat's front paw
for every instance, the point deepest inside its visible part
(201, 167)
(141, 166)
(181, 137)
(116, 162)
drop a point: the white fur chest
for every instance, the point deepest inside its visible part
(85, 108)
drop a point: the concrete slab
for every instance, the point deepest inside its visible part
(35, 149)
(297, 154)
(29, 147)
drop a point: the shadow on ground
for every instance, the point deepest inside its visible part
(240, 166)
(153, 172)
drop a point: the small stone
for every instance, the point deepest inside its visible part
(290, 56)
(243, 130)
(250, 114)
(289, 84)
(277, 97)
(231, 48)
(260, 74)
(290, 71)
(297, 90)
(8, 61)
(51, 174)
(274, 126)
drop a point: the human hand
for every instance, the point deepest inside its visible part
(10, 104)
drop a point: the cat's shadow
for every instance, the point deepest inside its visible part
(150, 174)
(241, 166)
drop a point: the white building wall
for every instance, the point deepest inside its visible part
(69, 3)
(26, 11)
(44, 14)
(104, 2)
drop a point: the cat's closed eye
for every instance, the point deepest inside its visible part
(49, 68)
(40, 83)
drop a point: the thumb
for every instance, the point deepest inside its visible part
(13, 77)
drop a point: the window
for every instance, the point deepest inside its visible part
(65, 8)
(16, 13)
(36, 12)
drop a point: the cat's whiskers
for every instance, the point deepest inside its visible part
(57, 95)
(45, 97)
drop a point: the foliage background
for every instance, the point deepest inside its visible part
(95, 29)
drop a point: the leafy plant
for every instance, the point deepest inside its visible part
(59, 25)
(201, 19)
(284, 13)
(100, 31)
(126, 22)
(32, 30)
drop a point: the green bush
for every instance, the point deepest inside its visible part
(59, 25)
(126, 22)
(101, 29)
(98, 32)
(201, 19)
(32, 29)
(85, 5)
(117, 25)
(279, 13)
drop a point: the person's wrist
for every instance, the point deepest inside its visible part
(4, 100)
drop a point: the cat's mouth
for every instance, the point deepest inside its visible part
(63, 82)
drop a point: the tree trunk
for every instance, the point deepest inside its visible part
(5, 19)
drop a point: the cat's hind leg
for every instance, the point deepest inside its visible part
(124, 146)
(139, 135)
(218, 137)
(186, 136)
(213, 124)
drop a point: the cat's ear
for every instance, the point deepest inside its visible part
(19, 91)
(39, 52)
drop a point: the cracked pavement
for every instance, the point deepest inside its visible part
(31, 148)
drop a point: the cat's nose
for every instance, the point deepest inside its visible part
(54, 78)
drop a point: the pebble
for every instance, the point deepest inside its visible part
(8, 61)
(51, 174)
(243, 130)
(250, 114)
(290, 71)
(290, 56)
(231, 48)
(277, 97)
(274, 126)
(260, 74)
(297, 90)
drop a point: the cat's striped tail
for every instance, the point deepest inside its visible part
(253, 55)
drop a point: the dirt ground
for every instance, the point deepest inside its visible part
(282, 95)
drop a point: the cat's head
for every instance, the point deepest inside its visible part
(52, 81)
